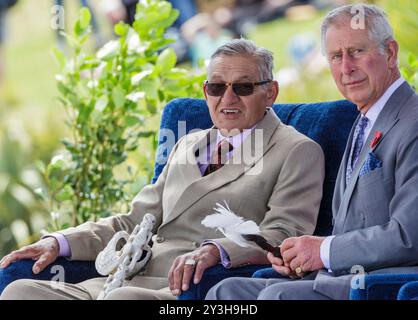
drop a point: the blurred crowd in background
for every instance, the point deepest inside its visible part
(202, 25)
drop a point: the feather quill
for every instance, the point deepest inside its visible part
(231, 225)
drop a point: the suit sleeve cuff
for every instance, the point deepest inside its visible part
(325, 252)
(225, 260)
(65, 250)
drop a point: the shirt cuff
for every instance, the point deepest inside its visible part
(226, 262)
(325, 252)
(65, 250)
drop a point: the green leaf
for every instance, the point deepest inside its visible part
(82, 25)
(166, 61)
(64, 226)
(109, 50)
(150, 87)
(85, 111)
(40, 166)
(59, 57)
(177, 73)
(157, 44)
(118, 96)
(71, 41)
(85, 17)
(411, 59)
(135, 79)
(131, 121)
(145, 134)
(89, 64)
(404, 73)
(71, 147)
(121, 29)
(65, 194)
(152, 106)
(63, 89)
(101, 103)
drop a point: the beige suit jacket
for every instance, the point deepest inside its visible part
(280, 188)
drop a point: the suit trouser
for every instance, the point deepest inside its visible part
(27, 289)
(264, 289)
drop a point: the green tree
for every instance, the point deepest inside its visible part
(110, 98)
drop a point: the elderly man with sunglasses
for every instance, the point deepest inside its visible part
(262, 169)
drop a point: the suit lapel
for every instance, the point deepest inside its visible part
(186, 162)
(386, 120)
(198, 188)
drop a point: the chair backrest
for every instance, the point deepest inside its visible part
(327, 123)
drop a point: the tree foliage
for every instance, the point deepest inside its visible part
(108, 98)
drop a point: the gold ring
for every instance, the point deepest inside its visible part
(298, 270)
(190, 262)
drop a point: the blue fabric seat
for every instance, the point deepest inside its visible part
(409, 291)
(327, 123)
(387, 287)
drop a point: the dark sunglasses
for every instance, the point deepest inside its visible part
(217, 89)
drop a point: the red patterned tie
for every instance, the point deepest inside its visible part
(218, 158)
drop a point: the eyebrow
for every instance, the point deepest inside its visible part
(217, 79)
(348, 48)
(333, 52)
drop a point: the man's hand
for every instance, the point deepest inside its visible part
(302, 254)
(180, 274)
(45, 251)
(279, 266)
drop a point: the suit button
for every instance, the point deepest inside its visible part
(160, 239)
(195, 244)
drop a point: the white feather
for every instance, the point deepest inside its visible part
(231, 225)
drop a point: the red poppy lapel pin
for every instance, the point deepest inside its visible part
(376, 139)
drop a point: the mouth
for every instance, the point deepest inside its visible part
(230, 111)
(353, 83)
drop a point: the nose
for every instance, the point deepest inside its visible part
(347, 64)
(229, 95)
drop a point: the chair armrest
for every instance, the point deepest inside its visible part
(409, 291)
(212, 276)
(382, 286)
(73, 271)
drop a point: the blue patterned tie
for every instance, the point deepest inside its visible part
(356, 145)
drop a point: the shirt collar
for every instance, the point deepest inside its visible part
(376, 108)
(236, 140)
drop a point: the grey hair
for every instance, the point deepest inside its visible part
(375, 20)
(244, 47)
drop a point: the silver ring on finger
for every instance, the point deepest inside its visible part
(190, 262)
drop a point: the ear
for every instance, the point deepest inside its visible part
(204, 90)
(392, 52)
(272, 92)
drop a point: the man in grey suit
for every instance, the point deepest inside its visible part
(270, 162)
(375, 205)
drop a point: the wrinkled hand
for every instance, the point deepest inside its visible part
(279, 266)
(181, 274)
(45, 251)
(302, 252)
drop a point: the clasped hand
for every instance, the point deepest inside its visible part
(300, 256)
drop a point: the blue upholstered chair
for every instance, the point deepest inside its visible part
(387, 287)
(328, 123)
(409, 291)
